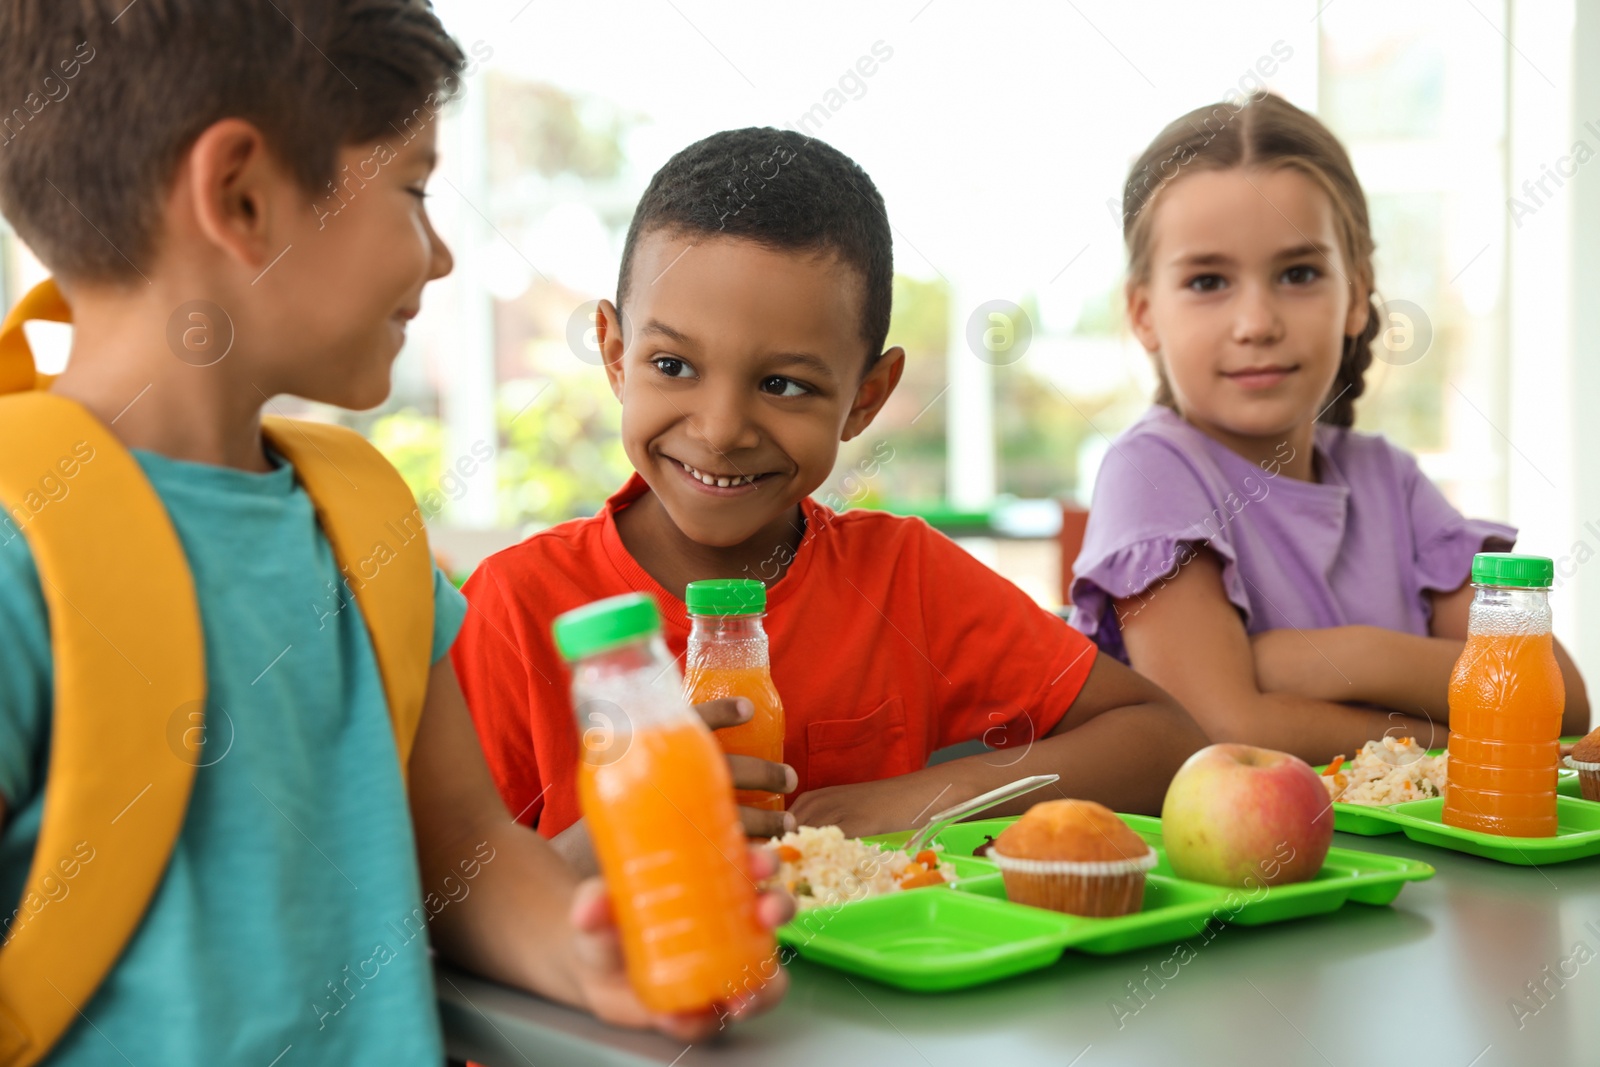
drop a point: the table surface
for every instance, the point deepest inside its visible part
(1483, 965)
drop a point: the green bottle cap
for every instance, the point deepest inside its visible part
(726, 596)
(1508, 568)
(605, 624)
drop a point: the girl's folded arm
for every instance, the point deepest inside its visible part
(1359, 664)
(1575, 720)
(1372, 665)
(1189, 640)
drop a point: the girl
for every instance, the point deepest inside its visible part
(1295, 584)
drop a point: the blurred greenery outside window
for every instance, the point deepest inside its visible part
(1398, 92)
(559, 455)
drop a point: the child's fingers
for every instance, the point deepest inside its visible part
(762, 775)
(597, 943)
(763, 824)
(730, 711)
(766, 997)
(774, 909)
(689, 1027)
(753, 1000)
(591, 907)
(599, 951)
(763, 862)
(695, 1027)
(748, 772)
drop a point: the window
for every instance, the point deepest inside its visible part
(999, 136)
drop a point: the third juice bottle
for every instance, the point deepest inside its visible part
(1506, 702)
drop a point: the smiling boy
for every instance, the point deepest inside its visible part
(744, 347)
(328, 816)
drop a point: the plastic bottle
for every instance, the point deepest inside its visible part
(1506, 702)
(658, 800)
(728, 657)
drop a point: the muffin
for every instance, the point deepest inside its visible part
(1073, 856)
(1585, 759)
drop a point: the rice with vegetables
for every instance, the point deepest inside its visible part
(821, 867)
(1390, 771)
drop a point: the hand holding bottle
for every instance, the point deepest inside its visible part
(658, 799)
(601, 976)
(727, 657)
(750, 773)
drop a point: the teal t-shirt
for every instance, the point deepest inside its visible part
(290, 922)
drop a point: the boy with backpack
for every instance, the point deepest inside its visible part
(240, 791)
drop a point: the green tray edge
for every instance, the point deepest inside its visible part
(920, 976)
(1364, 820)
(1518, 851)
(1177, 921)
(1299, 900)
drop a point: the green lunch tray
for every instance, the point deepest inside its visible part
(1369, 821)
(941, 938)
(1577, 830)
(1577, 826)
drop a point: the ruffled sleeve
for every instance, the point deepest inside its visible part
(1446, 541)
(1154, 507)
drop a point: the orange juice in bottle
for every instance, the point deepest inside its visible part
(728, 657)
(658, 800)
(1506, 702)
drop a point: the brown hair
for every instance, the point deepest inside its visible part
(1262, 131)
(99, 99)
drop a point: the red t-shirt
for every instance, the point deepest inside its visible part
(888, 641)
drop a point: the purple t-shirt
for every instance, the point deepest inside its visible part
(1361, 546)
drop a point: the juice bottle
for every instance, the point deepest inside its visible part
(1506, 702)
(728, 657)
(658, 800)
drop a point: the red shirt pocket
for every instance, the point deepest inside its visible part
(865, 749)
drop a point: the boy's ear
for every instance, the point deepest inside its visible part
(233, 186)
(874, 391)
(1139, 317)
(610, 337)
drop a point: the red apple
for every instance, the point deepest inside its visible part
(1237, 815)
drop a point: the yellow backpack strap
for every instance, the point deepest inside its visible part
(129, 666)
(376, 529)
(43, 301)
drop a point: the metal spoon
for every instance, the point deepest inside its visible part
(975, 805)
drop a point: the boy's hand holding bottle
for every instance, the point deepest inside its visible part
(751, 773)
(691, 925)
(727, 661)
(603, 980)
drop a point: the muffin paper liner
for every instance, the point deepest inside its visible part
(1099, 889)
(1588, 777)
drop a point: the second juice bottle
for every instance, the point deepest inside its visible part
(1506, 701)
(728, 657)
